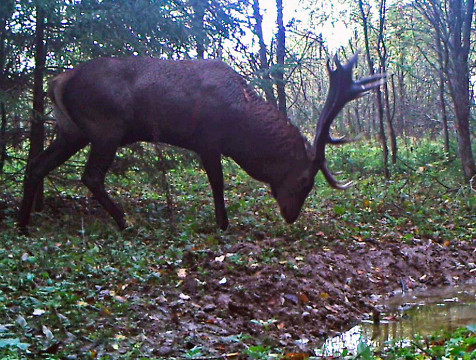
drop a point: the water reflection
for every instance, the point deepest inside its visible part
(420, 313)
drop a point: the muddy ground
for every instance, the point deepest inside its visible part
(283, 293)
(292, 304)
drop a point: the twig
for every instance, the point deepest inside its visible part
(423, 350)
(165, 184)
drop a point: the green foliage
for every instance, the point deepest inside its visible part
(460, 344)
(258, 352)
(76, 278)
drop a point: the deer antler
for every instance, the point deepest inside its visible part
(342, 89)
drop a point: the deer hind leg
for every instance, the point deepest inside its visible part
(60, 150)
(100, 159)
(211, 163)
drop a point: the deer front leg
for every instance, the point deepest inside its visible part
(211, 163)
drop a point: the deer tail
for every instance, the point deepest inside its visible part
(56, 90)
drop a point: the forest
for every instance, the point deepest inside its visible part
(184, 278)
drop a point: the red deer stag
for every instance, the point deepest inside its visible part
(200, 105)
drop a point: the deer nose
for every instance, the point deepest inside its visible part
(289, 216)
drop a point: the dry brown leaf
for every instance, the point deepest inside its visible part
(304, 298)
(295, 356)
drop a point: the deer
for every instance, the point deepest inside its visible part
(200, 105)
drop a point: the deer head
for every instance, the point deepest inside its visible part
(293, 189)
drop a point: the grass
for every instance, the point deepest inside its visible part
(78, 282)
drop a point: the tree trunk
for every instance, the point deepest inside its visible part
(197, 26)
(382, 53)
(378, 96)
(391, 130)
(263, 55)
(460, 95)
(444, 116)
(37, 134)
(442, 65)
(3, 125)
(3, 140)
(280, 55)
(459, 20)
(358, 123)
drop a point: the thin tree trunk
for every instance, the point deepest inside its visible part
(382, 53)
(3, 140)
(280, 55)
(378, 96)
(391, 130)
(197, 26)
(444, 116)
(37, 134)
(442, 101)
(4, 13)
(358, 123)
(263, 54)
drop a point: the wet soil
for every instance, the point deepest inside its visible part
(293, 303)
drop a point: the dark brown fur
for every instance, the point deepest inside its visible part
(200, 105)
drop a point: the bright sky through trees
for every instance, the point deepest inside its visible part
(334, 31)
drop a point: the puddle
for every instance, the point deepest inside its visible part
(405, 316)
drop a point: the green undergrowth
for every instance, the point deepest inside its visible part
(458, 344)
(61, 289)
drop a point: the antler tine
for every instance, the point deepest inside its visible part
(342, 89)
(337, 62)
(332, 180)
(328, 66)
(341, 140)
(353, 61)
(362, 87)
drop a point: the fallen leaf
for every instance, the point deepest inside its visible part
(182, 273)
(292, 298)
(21, 321)
(184, 297)
(230, 355)
(38, 312)
(304, 298)
(47, 332)
(295, 356)
(121, 299)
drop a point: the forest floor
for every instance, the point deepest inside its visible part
(298, 302)
(214, 299)
(173, 286)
